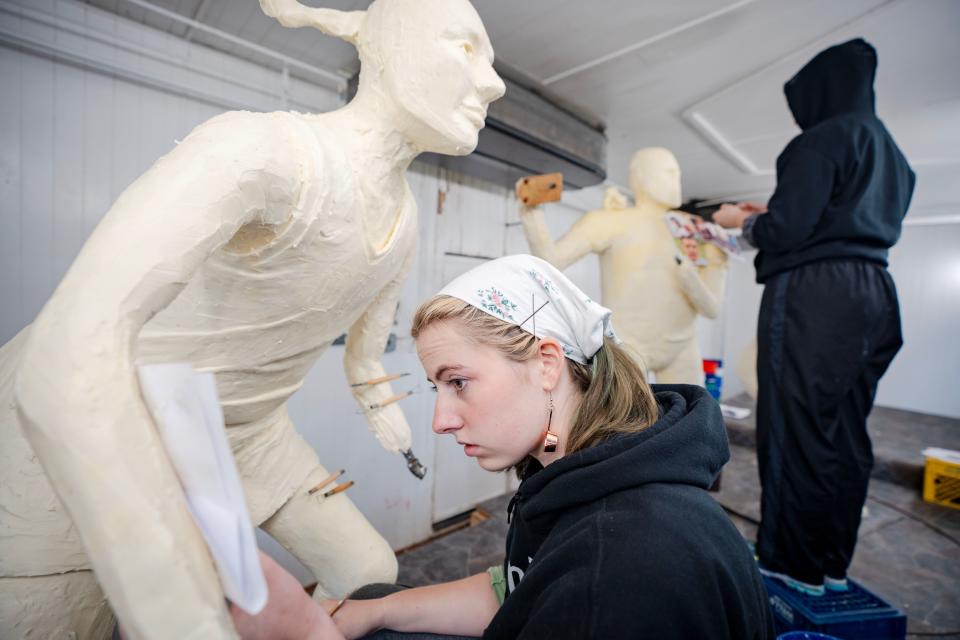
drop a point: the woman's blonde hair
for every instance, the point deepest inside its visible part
(616, 396)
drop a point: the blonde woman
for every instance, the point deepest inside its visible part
(612, 533)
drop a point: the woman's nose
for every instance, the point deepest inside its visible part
(445, 418)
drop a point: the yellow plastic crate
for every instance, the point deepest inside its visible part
(941, 478)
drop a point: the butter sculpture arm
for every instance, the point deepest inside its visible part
(587, 235)
(77, 393)
(704, 286)
(361, 361)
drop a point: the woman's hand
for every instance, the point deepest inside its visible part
(730, 216)
(289, 614)
(357, 618)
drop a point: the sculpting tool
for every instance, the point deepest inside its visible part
(387, 378)
(390, 400)
(336, 607)
(338, 489)
(332, 477)
(414, 465)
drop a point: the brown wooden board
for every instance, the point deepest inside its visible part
(534, 190)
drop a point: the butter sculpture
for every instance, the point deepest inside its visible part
(655, 294)
(245, 252)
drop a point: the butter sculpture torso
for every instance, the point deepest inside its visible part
(311, 275)
(655, 301)
(245, 251)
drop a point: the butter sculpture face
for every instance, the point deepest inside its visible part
(443, 105)
(655, 173)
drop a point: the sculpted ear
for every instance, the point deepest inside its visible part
(290, 13)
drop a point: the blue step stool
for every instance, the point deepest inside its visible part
(855, 614)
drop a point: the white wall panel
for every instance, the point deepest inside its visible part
(738, 320)
(67, 151)
(37, 182)
(10, 172)
(925, 265)
(98, 135)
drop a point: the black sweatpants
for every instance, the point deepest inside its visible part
(826, 334)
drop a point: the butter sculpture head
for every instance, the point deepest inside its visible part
(432, 63)
(654, 172)
(426, 66)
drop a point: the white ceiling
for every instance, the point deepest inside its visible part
(701, 77)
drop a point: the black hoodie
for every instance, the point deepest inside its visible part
(622, 540)
(843, 186)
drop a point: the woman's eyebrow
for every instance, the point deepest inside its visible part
(447, 367)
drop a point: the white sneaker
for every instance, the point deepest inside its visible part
(835, 584)
(793, 583)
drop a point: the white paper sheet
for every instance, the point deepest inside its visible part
(187, 411)
(737, 413)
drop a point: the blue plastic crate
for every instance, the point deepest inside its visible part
(855, 614)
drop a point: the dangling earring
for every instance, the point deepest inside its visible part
(550, 440)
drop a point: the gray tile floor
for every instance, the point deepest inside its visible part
(908, 551)
(461, 553)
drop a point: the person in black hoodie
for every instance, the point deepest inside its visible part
(829, 321)
(612, 532)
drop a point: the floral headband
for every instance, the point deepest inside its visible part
(535, 296)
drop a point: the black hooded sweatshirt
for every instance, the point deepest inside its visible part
(622, 540)
(843, 186)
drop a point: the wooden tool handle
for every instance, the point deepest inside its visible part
(338, 489)
(326, 481)
(392, 399)
(387, 378)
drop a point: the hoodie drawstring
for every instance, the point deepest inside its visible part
(514, 501)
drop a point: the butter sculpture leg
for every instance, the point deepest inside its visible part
(328, 535)
(655, 301)
(245, 251)
(332, 538)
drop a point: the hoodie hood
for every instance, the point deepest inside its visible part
(837, 80)
(687, 445)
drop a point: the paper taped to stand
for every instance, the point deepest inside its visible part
(187, 411)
